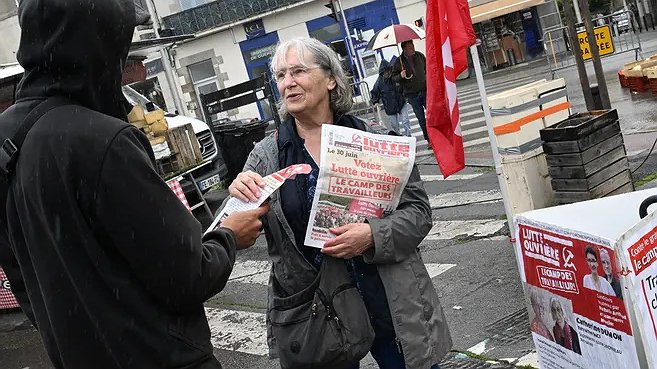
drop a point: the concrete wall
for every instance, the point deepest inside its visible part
(223, 48)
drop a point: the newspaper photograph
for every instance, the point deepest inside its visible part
(272, 183)
(361, 175)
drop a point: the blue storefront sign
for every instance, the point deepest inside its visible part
(254, 29)
(374, 15)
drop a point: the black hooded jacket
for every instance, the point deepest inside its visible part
(103, 257)
(388, 91)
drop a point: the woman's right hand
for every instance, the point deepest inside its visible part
(246, 186)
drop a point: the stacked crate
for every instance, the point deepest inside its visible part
(651, 75)
(586, 157)
(635, 74)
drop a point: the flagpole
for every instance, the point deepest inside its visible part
(493, 141)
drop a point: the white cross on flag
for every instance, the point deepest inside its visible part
(449, 34)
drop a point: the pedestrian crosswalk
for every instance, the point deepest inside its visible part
(246, 331)
(473, 125)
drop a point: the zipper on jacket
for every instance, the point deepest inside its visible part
(399, 346)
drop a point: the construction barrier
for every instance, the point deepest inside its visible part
(612, 38)
(518, 116)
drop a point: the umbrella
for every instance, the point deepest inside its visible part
(394, 34)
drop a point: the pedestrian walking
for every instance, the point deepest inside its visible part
(381, 254)
(106, 262)
(389, 93)
(410, 70)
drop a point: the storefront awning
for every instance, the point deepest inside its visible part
(499, 8)
(145, 47)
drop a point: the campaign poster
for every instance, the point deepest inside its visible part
(577, 314)
(639, 253)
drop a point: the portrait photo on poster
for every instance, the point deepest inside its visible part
(552, 318)
(603, 275)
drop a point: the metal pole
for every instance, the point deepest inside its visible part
(493, 141)
(578, 15)
(595, 56)
(577, 51)
(166, 60)
(350, 44)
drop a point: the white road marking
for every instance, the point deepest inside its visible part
(528, 360)
(479, 348)
(438, 269)
(476, 142)
(246, 331)
(463, 198)
(449, 229)
(241, 331)
(453, 177)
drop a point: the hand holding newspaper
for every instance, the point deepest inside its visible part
(361, 175)
(272, 183)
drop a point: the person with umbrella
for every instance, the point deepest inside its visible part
(410, 70)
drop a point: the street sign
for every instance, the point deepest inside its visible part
(603, 39)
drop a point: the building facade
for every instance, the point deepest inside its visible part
(235, 39)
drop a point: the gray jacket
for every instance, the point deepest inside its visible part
(418, 318)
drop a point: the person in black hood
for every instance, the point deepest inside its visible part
(389, 92)
(104, 259)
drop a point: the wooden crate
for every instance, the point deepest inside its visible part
(183, 142)
(586, 157)
(638, 84)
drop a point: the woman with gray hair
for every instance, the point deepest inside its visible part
(381, 255)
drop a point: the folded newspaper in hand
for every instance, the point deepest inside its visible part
(362, 175)
(272, 183)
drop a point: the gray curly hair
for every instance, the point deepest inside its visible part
(327, 60)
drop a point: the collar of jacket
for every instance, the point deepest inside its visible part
(287, 133)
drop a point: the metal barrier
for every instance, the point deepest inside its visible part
(559, 47)
(363, 107)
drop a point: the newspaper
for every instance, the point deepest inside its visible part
(361, 175)
(272, 183)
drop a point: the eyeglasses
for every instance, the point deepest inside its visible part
(591, 260)
(297, 71)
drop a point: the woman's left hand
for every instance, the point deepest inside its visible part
(351, 240)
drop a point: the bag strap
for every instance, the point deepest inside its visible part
(11, 146)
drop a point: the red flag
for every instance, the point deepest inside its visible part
(449, 34)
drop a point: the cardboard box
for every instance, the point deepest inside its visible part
(136, 114)
(153, 116)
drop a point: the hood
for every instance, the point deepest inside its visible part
(76, 49)
(383, 66)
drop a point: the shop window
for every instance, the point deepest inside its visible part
(188, 4)
(201, 71)
(327, 34)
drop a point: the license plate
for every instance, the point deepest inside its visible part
(207, 183)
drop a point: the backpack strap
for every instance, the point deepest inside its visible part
(11, 146)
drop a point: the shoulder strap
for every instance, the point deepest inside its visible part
(11, 146)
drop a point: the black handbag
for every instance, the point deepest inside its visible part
(326, 325)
